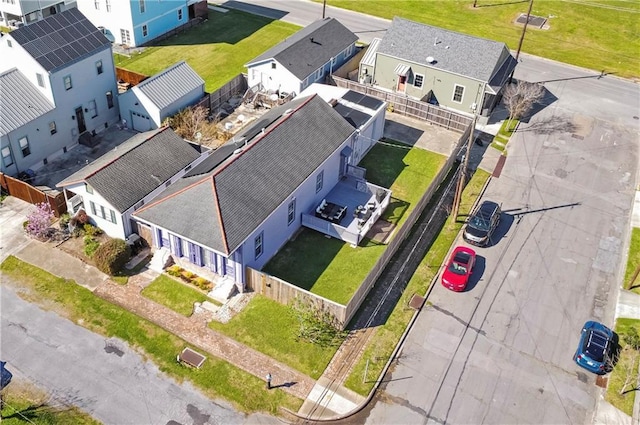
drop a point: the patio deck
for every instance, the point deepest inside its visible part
(350, 192)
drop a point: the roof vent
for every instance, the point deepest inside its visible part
(333, 102)
(430, 59)
(288, 111)
(237, 151)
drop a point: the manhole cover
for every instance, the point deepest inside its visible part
(416, 302)
(535, 21)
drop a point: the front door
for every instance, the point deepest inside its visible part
(82, 127)
(402, 80)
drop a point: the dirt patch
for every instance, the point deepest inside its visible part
(75, 247)
(381, 231)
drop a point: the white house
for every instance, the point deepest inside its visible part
(146, 105)
(68, 62)
(112, 187)
(306, 57)
(15, 13)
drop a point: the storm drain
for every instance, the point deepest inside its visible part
(536, 21)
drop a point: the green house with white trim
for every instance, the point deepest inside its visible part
(446, 68)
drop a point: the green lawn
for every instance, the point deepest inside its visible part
(333, 269)
(598, 34)
(217, 49)
(271, 328)
(504, 134)
(633, 262)
(24, 404)
(216, 378)
(625, 401)
(170, 293)
(383, 342)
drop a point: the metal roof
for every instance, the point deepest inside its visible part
(451, 51)
(234, 199)
(128, 173)
(20, 101)
(402, 70)
(307, 50)
(60, 39)
(369, 57)
(170, 85)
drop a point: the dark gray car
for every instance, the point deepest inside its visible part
(482, 223)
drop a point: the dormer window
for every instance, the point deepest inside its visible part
(273, 65)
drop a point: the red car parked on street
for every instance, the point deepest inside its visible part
(459, 268)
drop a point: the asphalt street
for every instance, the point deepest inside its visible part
(103, 377)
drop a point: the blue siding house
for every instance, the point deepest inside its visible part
(136, 22)
(239, 206)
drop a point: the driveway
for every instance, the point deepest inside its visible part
(13, 212)
(103, 377)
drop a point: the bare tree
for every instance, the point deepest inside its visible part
(520, 98)
(192, 124)
(629, 371)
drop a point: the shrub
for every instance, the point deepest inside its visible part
(111, 256)
(175, 271)
(90, 245)
(64, 220)
(632, 339)
(39, 221)
(202, 283)
(80, 219)
(187, 275)
(91, 230)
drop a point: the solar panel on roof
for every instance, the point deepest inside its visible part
(353, 117)
(370, 102)
(352, 96)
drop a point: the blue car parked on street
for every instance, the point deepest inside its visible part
(595, 348)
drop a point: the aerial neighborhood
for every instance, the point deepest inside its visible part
(301, 221)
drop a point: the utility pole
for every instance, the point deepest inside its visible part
(524, 30)
(463, 173)
(324, 8)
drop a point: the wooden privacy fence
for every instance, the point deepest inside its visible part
(130, 77)
(405, 105)
(33, 195)
(214, 101)
(284, 292)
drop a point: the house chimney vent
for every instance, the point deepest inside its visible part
(430, 59)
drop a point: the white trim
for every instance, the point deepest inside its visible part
(453, 97)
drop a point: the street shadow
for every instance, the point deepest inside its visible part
(501, 4)
(267, 12)
(393, 380)
(518, 212)
(550, 125)
(597, 76)
(476, 274)
(547, 99)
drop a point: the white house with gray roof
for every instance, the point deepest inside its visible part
(112, 187)
(147, 104)
(306, 57)
(15, 13)
(68, 79)
(443, 67)
(239, 206)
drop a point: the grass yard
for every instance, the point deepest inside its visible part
(625, 363)
(383, 342)
(598, 34)
(271, 328)
(504, 134)
(217, 49)
(170, 293)
(25, 403)
(633, 262)
(332, 268)
(216, 378)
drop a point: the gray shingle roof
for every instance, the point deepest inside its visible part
(135, 168)
(171, 84)
(311, 47)
(453, 52)
(20, 101)
(230, 202)
(61, 39)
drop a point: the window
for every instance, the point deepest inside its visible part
(167, 183)
(333, 61)
(458, 92)
(9, 43)
(52, 127)
(291, 214)
(145, 31)
(125, 36)
(102, 212)
(24, 146)
(108, 5)
(93, 108)
(96, 4)
(179, 14)
(40, 79)
(99, 67)
(348, 51)
(93, 207)
(257, 242)
(418, 80)
(88, 188)
(67, 82)
(6, 157)
(319, 181)
(113, 216)
(142, 8)
(273, 65)
(109, 95)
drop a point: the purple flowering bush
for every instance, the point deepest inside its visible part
(39, 222)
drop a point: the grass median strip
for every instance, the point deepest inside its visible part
(382, 343)
(216, 378)
(633, 263)
(625, 370)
